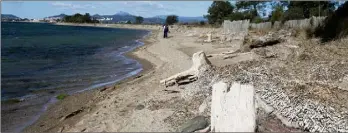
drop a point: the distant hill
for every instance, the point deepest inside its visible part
(61, 16)
(155, 20)
(9, 16)
(191, 19)
(184, 19)
(121, 13)
(124, 16)
(120, 16)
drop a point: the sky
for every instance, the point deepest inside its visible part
(41, 9)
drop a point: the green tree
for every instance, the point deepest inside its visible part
(306, 9)
(128, 22)
(201, 22)
(87, 18)
(250, 9)
(79, 18)
(335, 25)
(293, 13)
(171, 19)
(219, 11)
(277, 13)
(139, 20)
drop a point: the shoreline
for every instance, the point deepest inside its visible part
(146, 66)
(142, 103)
(81, 99)
(122, 26)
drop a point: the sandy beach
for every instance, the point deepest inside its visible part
(142, 103)
(138, 103)
(144, 86)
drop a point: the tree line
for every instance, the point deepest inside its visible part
(171, 19)
(79, 18)
(255, 11)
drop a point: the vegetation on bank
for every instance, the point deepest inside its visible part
(11, 101)
(256, 10)
(61, 96)
(139, 19)
(79, 18)
(171, 19)
(334, 26)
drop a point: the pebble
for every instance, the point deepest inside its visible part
(140, 107)
(194, 124)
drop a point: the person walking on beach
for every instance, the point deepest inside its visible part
(165, 31)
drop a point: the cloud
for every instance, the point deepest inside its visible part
(73, 6)
(148, 8)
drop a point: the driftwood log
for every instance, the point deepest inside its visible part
(209, 38)
(200, 64)
(264, 43)
(233, 108)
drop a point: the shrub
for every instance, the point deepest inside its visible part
(171, 19)
(11, 101)
(257, 20)
(202, 23)
(61, 96)
(334, 26)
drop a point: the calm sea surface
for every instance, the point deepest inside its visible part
(38, 57)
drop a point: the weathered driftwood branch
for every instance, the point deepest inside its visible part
(264, 43)
(200, 63)
(209, 38)
(233, 108)
(236, 54)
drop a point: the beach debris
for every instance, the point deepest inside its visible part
(233, 108)
(61, 129)
(209, 38)
(84, 129)
(105, 88)
(205, 130)
(138, 76)
(238, 54)
(140, 107)
(171, 91)
(200, 64)
(72, 114)
(343, 85)
(201, 36)
(197, 123)
(222, 38)
(264, 43)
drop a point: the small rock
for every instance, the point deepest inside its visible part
(343, 85)
(101, 90)
(138, 76)
(202, 107)
(194, 124)
(140, 107)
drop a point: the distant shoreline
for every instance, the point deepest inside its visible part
(125, 26)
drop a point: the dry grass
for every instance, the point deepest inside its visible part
(306, 76)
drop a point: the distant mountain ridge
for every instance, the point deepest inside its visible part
(9, 16)
(125, 16)
(58, 16)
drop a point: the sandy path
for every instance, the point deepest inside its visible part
(125, 109)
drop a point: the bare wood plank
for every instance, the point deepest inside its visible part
(233, 108)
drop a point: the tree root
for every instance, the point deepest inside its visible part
(200, 63)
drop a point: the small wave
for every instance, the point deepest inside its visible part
(111, 82)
